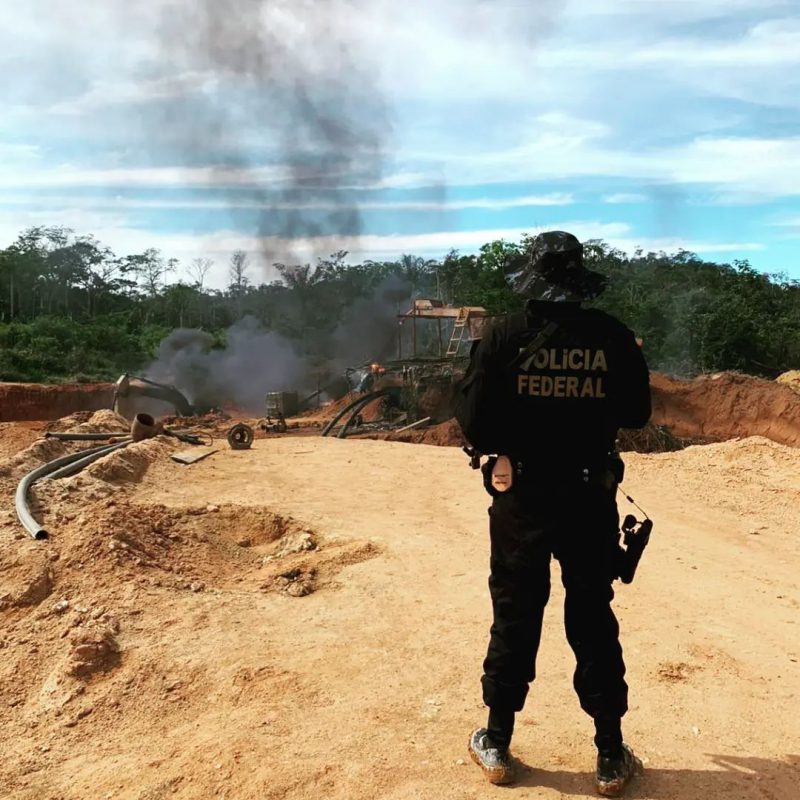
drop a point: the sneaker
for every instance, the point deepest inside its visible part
(495, 763)
(613, 774)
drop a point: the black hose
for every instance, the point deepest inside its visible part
(21, 498)
(329, 427)
(82, 437)
(351, 419)
(76, 466)
(372, 396)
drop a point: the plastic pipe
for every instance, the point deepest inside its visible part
(21, 498)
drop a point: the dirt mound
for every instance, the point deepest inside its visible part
(130, 463)
(103, 421)
(726, 406)
(16, 436)
(372, 412)
(70, 422)
(33, 456)
(33, 401)
(328, 411)
(791, 379)
(36, 450)
(754, 478)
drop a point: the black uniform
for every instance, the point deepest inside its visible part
(550, 388)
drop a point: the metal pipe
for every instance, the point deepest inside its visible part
(77, 466)
(419, 423)
(21, 498)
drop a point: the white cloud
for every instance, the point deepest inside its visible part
(789, 227)
(551, 149)
(622, 198)
(104, 94)
(760, 166)
(774, 43)
(662, 12)
(16, 153)
(755, 167)
(152, 177)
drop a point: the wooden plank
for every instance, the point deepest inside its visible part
(446, 313)
(191, 456)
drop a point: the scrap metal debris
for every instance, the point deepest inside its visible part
(240, 436)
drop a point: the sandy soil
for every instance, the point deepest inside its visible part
(16, 436)
(308, 619)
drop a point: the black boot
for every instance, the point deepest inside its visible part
(613, 774)
(495, 762)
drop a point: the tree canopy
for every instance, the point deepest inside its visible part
(72, 309)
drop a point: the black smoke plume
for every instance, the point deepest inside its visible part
(253, 361)
(287, 108)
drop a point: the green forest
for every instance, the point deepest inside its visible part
(71, 309)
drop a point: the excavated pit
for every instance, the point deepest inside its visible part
(32, 401)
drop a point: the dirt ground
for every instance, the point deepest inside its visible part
(308, 618)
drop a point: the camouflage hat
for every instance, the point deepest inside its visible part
(554, 270)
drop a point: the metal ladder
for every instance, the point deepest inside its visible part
(458, 332)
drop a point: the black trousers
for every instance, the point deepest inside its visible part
(577, 523)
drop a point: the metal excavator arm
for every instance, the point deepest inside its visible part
(130, 386)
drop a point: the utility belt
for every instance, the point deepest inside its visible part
(504, 473)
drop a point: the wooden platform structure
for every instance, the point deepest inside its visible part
(467, 326)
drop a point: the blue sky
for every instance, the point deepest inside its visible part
(291, 129)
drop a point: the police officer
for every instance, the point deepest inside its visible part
(547, 390)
